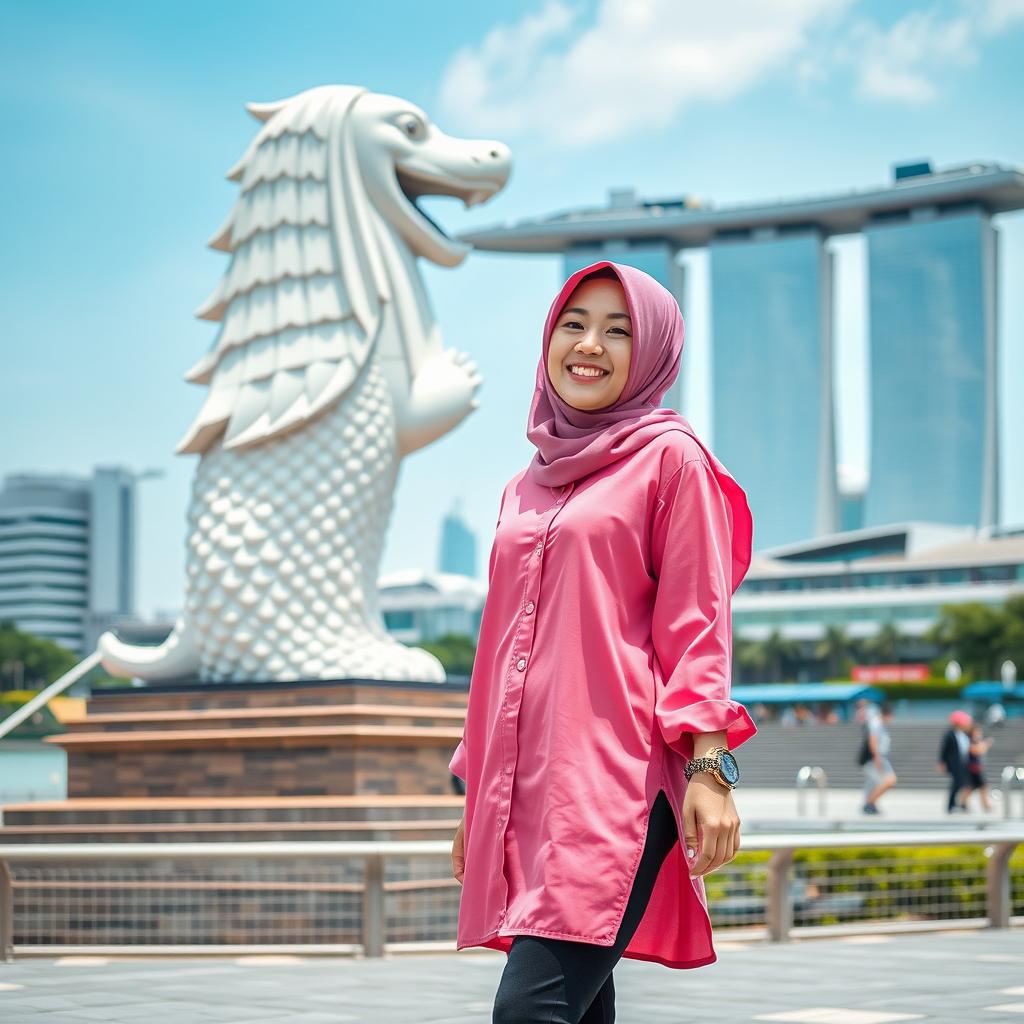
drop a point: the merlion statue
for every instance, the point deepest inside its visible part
(327, 370)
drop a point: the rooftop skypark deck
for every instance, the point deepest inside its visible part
(917, 191)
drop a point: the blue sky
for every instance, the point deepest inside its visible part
(122, 119)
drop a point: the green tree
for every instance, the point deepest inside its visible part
(837, 650)
(455, 651)
(773, 657)
(884, 647)
(1012, 641)
(30, 662)
(981, 637)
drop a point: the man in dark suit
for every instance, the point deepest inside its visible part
(953, 758)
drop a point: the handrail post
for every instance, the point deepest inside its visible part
(6, 914)
(778, 897)
(373, 905)
(998, 897)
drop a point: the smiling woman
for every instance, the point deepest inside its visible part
(599, 701)
(592, 343)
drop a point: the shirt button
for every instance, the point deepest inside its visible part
(529, 607)
(521, 664)
(508, 769)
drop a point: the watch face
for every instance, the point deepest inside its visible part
(729, 768)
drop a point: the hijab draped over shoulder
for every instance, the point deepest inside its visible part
(572, 442)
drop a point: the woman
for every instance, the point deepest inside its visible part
(602, 675)
(976, 752)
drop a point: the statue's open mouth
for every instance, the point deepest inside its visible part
(414, 189)
(415, 186)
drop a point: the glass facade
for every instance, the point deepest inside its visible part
(1009, 573)
(772, 406)
(931, 314)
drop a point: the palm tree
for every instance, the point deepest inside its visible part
(885, 645)
(772, 656)
(836, 649)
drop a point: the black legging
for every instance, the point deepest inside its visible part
(555, 981)
(957, 781)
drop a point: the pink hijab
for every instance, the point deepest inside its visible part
(573, 442)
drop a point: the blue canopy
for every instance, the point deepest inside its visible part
(804, 693)
(988, 689)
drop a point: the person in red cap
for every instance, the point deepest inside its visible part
(953, 755)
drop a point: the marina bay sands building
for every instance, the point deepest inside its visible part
(932, 257)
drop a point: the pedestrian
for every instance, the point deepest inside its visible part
(599, 728)
(953, 753)
(879, 776)
(976, 752)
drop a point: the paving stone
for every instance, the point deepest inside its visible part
(937, 978)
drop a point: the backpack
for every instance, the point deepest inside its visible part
(864, 754)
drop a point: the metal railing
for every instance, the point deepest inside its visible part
(55, 689)
(361, 897)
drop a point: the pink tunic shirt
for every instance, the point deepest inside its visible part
(605, 643)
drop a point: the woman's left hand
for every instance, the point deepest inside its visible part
(711, 824)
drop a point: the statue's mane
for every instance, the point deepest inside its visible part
(299, 304)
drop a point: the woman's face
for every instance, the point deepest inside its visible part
(593, 330)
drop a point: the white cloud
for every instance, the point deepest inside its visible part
(902, 63)
(572, 81)
(996, 15)
(909, 61)
(634, 67)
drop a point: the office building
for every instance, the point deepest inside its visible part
(67, 554)
(899, 575)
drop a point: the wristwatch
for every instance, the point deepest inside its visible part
(720, 762)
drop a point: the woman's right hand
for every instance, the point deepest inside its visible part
(458, 853)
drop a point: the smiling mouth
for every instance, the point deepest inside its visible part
(587, 376)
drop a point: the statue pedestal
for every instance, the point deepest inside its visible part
(315, 738)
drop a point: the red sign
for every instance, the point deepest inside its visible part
(890, 673)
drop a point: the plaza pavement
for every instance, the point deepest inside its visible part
(777, 808)
(952, 977)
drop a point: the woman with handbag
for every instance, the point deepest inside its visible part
(599, 724)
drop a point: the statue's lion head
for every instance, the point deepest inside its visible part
(300, 302)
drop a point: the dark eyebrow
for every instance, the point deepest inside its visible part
(611, 316)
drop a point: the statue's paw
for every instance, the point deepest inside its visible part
(465, 362)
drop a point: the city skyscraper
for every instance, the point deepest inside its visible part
(932, 299)
(934, 445)
(458, 545)
(771, 388)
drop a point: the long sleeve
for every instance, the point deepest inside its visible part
(691, 541)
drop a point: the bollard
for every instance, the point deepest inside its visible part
(1012, 778)
(804, 777)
